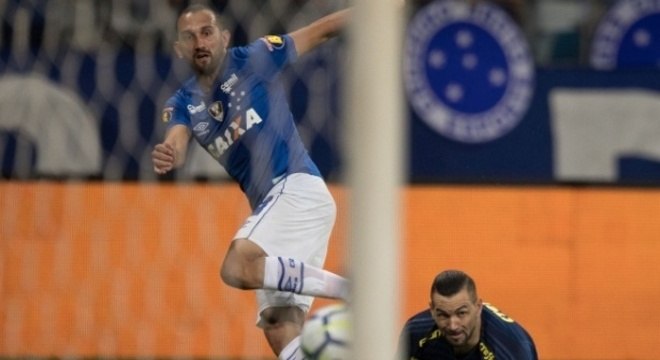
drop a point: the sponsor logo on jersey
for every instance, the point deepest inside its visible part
(194, 109)
(486, 353)
(216, 111)
(468, 70)
(201, 128)
(627, 35)
(434, 335)
(273, 42)
(166, 116)
(237, 128)
(227, 86)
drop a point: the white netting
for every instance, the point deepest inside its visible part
(116, 56)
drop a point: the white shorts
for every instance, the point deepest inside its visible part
(294, 220)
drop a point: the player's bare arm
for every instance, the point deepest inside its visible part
(319, 31)
(171, 153)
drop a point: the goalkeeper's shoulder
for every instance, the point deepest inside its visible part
(417, 332)
(501, 329)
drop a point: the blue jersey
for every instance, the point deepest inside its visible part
(501, 339)
(245, 122)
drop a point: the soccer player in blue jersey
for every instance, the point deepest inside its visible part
(460, 326)
(237, 110)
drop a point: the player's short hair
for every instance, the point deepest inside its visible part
(450, 282)
(197, 7)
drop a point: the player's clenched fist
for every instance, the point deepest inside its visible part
(163, 158)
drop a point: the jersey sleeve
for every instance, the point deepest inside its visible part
(405, 342)
(507, 337)
(419, 339)
(520, 349)
(526, 350)
(270, 54)
(174, 113)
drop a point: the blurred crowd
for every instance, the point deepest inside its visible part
(559, 30)
(140, 24)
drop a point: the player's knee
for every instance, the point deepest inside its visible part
(232, 276)
(240, 275)
(243, 265)
(275, 317)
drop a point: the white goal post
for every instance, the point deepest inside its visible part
(374, 134)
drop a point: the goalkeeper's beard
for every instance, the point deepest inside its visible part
(458, 338)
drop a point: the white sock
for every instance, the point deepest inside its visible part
(292, 351)
(291, 275)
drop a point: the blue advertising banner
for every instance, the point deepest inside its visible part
(575, 118)
(481, 112)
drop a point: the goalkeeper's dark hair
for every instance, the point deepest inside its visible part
(450, 282)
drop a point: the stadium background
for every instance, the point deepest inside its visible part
(100, 258)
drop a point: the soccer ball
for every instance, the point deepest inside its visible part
(327, 334)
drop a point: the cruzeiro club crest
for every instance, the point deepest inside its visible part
(628, 35)
(468, 70)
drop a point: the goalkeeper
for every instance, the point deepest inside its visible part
(460, 326)
(236, 109)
